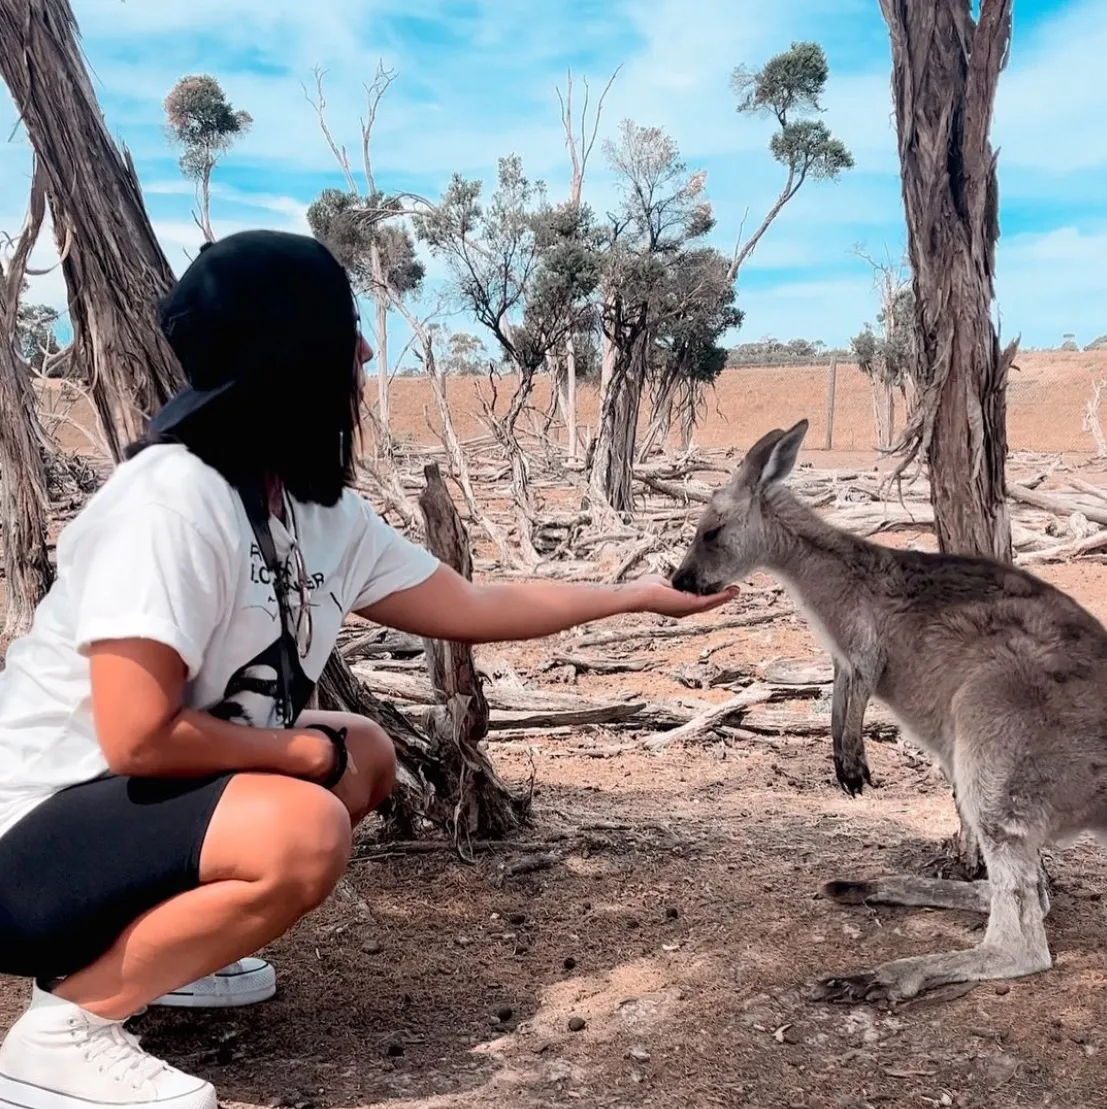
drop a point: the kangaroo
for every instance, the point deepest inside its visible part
(1000, 676)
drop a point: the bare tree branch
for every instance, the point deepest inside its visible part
(374, 93)
(319, 103)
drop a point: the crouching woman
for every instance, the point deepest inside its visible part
(168, 805)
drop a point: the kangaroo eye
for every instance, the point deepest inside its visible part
(712, 534)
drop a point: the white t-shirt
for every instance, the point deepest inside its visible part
(165, 551)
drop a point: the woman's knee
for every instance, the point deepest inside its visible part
(374, 751)
(373, 756)
(288, 836)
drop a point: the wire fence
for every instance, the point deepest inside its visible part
(1048, 399)
(1055, 401)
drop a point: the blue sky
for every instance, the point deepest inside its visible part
(477, 78)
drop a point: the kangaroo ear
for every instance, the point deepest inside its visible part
(783, 456)
(770, 459)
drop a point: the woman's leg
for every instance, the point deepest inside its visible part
(247, 981)
(156, 949)
(274, 849)
(373, 758)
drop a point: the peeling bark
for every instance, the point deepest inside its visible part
(24, 498)
(114, 268)
(24, 445)
(945, 71)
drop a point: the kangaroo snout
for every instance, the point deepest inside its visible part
(688, 581)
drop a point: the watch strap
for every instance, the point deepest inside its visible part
(337, 736)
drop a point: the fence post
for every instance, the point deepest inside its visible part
(831, 385)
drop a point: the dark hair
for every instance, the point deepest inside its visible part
(250, 434)
(287, 332)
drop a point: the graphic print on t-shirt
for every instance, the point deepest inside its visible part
(251, 695)
(261, 575)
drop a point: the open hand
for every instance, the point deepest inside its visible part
(657, 595)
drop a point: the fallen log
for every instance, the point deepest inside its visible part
(509, 698)
(706, 720)
(1063, 551)
(596, 665)
(1056, 504)
(601, 639)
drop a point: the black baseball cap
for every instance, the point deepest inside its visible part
(254, 305)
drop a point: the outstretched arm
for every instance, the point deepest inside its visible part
(449, 606)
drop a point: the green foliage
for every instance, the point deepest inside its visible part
(203, 123)
(36, 334)
(772, 352)
(788, 82)
(788, 86)
(659, 280)
(808, 149)
(663, 206)
(696, 308)
(351, 225)
(889, 352)
(523, 268)
(458, 352)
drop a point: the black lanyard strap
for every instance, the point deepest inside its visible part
(256, 503)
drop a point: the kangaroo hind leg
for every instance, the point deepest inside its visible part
(1014, 943)
(907, 889)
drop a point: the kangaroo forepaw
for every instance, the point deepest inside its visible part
(853, 774)
(854, 989)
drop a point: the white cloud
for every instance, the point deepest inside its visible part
(1051, 103)
(1053, 282)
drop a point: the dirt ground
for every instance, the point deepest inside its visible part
(678, 916)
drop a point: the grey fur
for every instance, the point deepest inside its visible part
(999, 675)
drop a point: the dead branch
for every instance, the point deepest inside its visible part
(703, 723)
(602, 639)
(484, 806)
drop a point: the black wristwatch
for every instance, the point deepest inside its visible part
(337, 736)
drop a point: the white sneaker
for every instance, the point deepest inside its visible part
(58, 1056)
(245, 982)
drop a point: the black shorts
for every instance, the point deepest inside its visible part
(77, 870)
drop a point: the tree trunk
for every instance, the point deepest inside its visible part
(504, 433)
(445, 779)
(451, 668)
(571, 396)
(689, 412)
(205, 203)
(114, 268)
(611, 476)
(661, 418)
(910, 393)
(381, 334)
(883, 410)
(24, 497)
(945, 72)
(608, 353)
(945, 69)
(484, 807)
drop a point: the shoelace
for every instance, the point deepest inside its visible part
(120, 1055)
